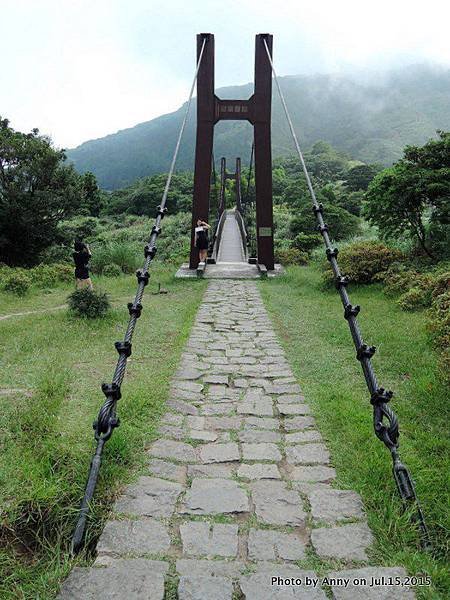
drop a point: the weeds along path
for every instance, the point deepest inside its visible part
(238, 497)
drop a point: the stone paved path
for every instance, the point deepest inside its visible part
(239, 486)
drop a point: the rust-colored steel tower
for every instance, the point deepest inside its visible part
(256, 110)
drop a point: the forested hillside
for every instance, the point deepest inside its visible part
(372, 120)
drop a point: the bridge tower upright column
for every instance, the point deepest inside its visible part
(263, 154)
(204, 138)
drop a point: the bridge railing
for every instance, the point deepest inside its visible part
(217, 236)
(243, 231)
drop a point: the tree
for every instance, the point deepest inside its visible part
(413, 196)
(37, 191)
(93, 198)
(358, 177)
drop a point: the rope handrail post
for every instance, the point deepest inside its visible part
(107, 419)
(379, 396)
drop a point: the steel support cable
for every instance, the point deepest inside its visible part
(379, 397)
(107, 418)
(246, 205)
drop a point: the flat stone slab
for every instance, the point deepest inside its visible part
(145, 536)
(273, 545)
(173, 450)
(253, 436)
(205, 588)
(215, 496)
(293, 409)
(304, 454)
(261, 452)
(300, 437)
(331, 505)
(348, 542)
(298, 423)
(373, 576)
(316, 473)
(261, 423)
(223, 423)
(203, 436)
(216, 470)
(182, 407)
(260, 585)
(199, 539)
(133, 579)
(209, 568)
(167, 470)
(258, 471)
(220, 408)
(218, 453)
(150, 497)
(276, 505)
(255, 407)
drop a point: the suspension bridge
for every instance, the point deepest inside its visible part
(240, 486)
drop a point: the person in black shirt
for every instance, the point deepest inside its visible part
(201, 239)
(81, 258)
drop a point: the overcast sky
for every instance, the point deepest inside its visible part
(80, 69)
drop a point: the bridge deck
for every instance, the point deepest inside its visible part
(231, 249)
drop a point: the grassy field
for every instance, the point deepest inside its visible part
(315, 335)
(52, 366)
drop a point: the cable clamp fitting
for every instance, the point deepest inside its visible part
(134, 309)
(317, 208)
(365, 351)
(156, 230)
(161, 212)
(111, 390)
(143, 277)
(150, 251)
(123, 348)
(342, 281)
(381, 396)
(322, 228)
(351, 311)
(332, 253)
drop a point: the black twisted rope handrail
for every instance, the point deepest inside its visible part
(107, 419)
(379, 397)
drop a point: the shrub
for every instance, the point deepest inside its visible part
(414, 299)
(341, 223)
(112, 270)
(64, 272)
(363, 261)
(292, 256)
(88, 303)
(439, 327)
(127, 256)
(17, 282)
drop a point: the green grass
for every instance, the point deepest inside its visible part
(47, 438)
(317, 341)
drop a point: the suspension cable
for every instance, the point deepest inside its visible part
(379, 397)
(107, 419)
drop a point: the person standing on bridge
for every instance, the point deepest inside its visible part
(201, 239)
(81, 258)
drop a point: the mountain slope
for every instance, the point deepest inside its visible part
(372, 121)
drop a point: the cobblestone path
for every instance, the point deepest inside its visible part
(239, 486)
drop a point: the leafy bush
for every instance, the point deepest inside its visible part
(439, 327)
(292, 256)
(414, 299)
(17, 282)
(88, 303)
(112, 270)
(341, 223)
(363, 262)
(127, 256)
